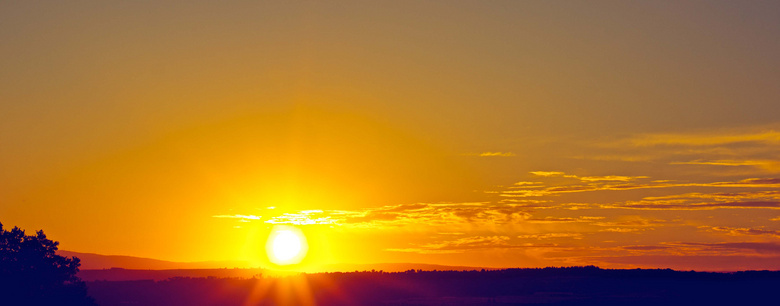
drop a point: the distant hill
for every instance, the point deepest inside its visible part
(98, 261)
(567, 286)
(90, 261)
(127, 268)
(392, 267)
(119, 274)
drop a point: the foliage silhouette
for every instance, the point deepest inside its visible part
(544, 286)
(31, 273)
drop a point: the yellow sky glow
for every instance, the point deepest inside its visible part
(490, 134)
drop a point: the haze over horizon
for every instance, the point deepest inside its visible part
(459, 133)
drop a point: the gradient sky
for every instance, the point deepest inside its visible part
(484, 133)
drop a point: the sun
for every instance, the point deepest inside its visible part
(286, 245)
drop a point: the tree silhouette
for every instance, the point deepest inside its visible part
(31, 273)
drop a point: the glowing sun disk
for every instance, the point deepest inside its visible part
(286, 245)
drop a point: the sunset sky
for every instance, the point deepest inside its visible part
(621, 134)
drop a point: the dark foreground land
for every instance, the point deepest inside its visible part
(548, 286)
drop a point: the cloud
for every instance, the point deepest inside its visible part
(695, 206)
(644, 247)
(491, 154)
(528, 184)
(559, 220)
(548, 173)
(721, 162)
(633, 222)
(534, 191)
(574, 189)
(741, 231)
(476, 242)
(738, 151)
(425, 214)
(620, 230)
(768, 165)
(706, 201)
(551, 236)
(243, 217)
(587, 178)
(706, 139)
(304, 217)
(610, 178)
(751, 182)
(467, 244)
(441, 214)
(497, 154)
(719, 196)
(736, 247)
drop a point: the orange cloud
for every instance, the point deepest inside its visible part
(551, 236)
(469, 243)
(741, 231)
(497, 154)
(245, 217)
(695, 206)
(587, 178)
(596, 186)
(706, 139)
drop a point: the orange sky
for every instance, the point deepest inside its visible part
(501, 133)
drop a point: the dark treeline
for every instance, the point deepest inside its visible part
(31, 273)
(548, 286)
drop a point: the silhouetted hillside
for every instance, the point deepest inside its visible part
(392, 267)
(90, 261)
(548, 286)
(98, 261)
(119, 274)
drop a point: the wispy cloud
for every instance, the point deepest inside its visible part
(706, 139)
(694, 206)
(528, 184)
(244, 217)
(735, 247)
(492, 154)
(766, 164)
(633, 222)
(741, 231)
(610, 178)
(304, 217)
(699, 201)
(497, 154)
(719, 196)
(440, 214)
(426, 214)
(560, 219)
(534, 191)
(587, 178)
(551, 236)
(621, 230)
(550, 173)
(721, 162)
(645, 247)
(467, 244)
(748, 151)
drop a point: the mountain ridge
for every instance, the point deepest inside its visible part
(122, 267)
(93, 261)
